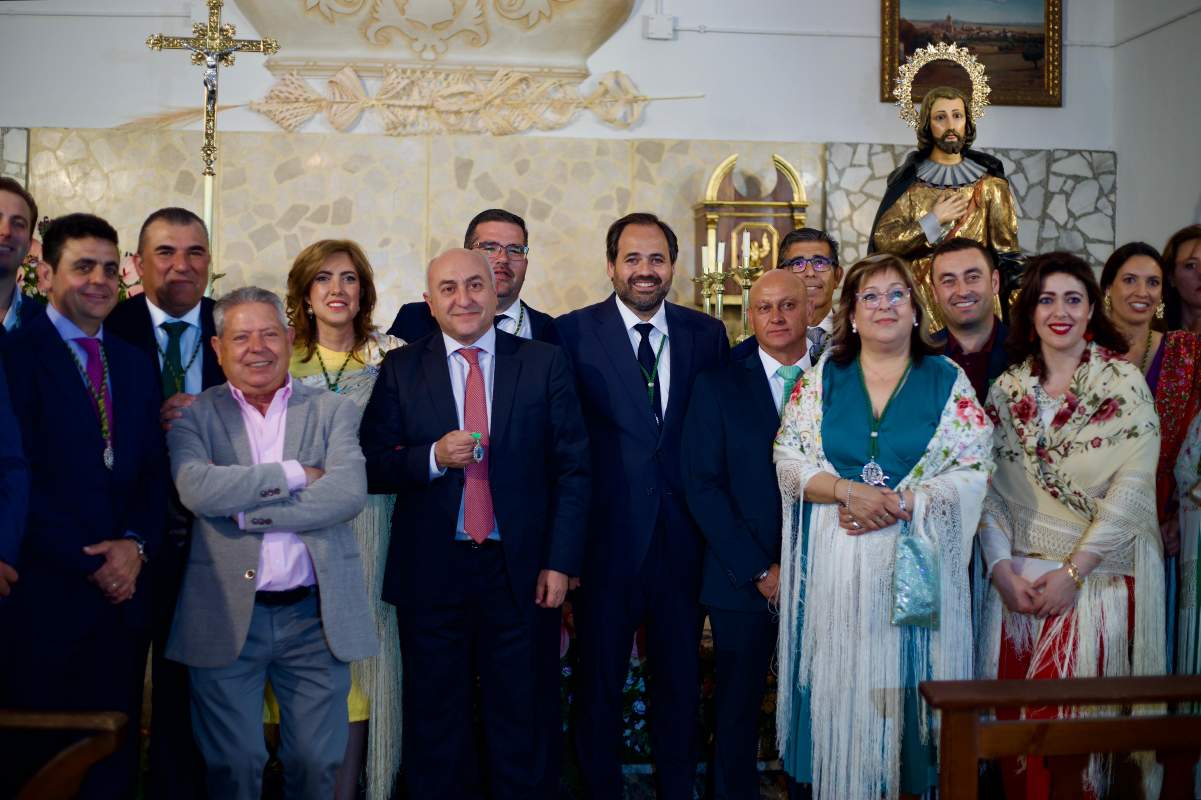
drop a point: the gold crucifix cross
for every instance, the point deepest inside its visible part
(212, 45)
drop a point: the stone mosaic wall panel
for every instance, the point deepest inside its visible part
(14, 153)
(1065, 197)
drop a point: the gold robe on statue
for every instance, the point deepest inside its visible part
(990, 218)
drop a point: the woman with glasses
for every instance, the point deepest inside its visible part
(887, 449)
(1069, 530)
(331, 295)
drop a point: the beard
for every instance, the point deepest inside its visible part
(640, 302)
(951, 147)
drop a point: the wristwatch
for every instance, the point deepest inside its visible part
(139, 543)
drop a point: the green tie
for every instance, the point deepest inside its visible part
(790, 375)
(173, 371)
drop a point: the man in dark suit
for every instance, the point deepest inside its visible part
(479, 434)
(14, 490)
(18, 216)
(87, 405)
(966, 282)
(635, 358)
(730, 482)
(172, 323)
(502, 237)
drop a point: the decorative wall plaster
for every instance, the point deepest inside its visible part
(14, 153)
(429, 25)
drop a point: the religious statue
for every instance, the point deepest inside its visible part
(945, 189)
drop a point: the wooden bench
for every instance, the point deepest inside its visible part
(59, 779)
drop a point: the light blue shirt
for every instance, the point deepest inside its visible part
(459, 368)
(189, 344)
(70, 332)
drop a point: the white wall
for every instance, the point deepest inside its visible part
(1157, 129)
(82, 67)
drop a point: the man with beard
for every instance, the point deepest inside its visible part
(965, 281)
(502, 237)
(635, 359)
(18, 215)
(946, 190)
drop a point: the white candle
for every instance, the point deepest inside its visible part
(746, 247)
(712, 241)
(705, 258)
(721, 257)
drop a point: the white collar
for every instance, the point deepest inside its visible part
(630, 319)
(826, 324)
(486, 342)
(158, 316)
(771, 365)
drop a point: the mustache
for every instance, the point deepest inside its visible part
(652, 277)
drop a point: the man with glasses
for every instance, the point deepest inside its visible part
(811, 254)
(502, 237)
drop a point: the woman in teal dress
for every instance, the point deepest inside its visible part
(889, 451)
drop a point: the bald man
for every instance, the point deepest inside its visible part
(730, 484)
(479, 434)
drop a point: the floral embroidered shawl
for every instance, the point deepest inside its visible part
(1177, 401)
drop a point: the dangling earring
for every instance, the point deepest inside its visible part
(1159, 309)
(853, 328)
(308, 309)
(1108, 303)
(915, 323)
(1088, 336)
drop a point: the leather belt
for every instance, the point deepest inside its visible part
(287, 597)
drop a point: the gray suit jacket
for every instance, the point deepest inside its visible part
(216, 477)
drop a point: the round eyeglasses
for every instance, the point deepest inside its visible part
(798, 264)
(893, 297)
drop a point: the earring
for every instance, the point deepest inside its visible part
(915, 323)
(853, 328)
(308, 309)
(1088, 336)
(1108, 303)
(1159, 309)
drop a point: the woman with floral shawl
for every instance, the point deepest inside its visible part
(885, 444)
(1069, 530)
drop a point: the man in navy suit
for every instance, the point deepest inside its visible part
(478, 433)
(18, 216)
(730, 482)
(172, 323)
(502, 237)
(14, 490)
(635, 359)
(87, 405)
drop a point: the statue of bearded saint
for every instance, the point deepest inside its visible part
(945, 190)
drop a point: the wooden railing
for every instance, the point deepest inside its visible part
(101, 733)
(967, 736)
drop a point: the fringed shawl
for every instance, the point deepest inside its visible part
(1188, 473)
(847, 652)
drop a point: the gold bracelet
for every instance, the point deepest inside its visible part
(1074, 572)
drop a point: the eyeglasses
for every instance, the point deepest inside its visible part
(894, 298)
(798, 264)
(517, 252)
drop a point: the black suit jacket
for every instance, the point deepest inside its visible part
(730, 480)
(635, 461)
(26, 312)
(538, 464)
(414, 320)
(131, 321)
(74, 499)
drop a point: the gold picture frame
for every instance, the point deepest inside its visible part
(1009, 51)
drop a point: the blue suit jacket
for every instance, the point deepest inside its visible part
(538, 465)
(29, 310)
(14, 479)
(635, 461)
(730, 480)
(414, 320)
(74, 499)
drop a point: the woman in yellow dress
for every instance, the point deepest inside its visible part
(331, 295)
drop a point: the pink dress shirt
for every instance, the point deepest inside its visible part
(284, 561)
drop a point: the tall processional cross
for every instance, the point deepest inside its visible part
(213, 46)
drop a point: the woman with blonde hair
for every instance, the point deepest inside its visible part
(885, 445)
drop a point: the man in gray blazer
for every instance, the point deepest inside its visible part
(274, 585)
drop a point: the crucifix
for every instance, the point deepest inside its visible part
(212, 45)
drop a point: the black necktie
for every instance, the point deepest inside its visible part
(650, 371)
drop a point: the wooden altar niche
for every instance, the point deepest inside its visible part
(724, 214)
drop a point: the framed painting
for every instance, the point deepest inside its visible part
(1019, 42)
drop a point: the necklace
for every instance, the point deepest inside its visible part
(872, 473)
(332, 385)
(100, 396)
(650, 376)
(178, 379)
(520, 318)
(1142, 365)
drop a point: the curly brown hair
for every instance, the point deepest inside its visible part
(1023, 341)
(846, 344)
(300, 280)
(925, 139)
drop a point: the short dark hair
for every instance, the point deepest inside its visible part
(639, 218)
(960, 243)
(8, 184)
(807, 235)
(73, 226)
(1023, 340)
(172, 215)
(494, 215)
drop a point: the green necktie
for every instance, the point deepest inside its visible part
(173, 372)
(790, 375)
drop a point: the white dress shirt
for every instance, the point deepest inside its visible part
(518, 312)
(657, 335)
(193, 379)
(770, 365)
(459, 368)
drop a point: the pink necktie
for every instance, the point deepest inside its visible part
(95, 368)
(477, 497)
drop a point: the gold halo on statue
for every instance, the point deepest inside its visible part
(943, 51)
